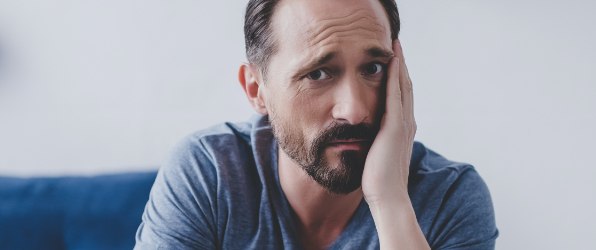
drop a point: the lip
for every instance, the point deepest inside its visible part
(348, 144)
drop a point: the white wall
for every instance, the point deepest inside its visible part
(105, 86)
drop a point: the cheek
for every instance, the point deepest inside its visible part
(378, 103)
(288, 115)
(311, 113)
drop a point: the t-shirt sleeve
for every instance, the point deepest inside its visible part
(466, 219)
(181, 212)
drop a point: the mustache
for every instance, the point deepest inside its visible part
(343, 131)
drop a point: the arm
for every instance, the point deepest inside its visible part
(385, 177)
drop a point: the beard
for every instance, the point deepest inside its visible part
(346, 175)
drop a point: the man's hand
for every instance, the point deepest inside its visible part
(385, 177)
(386, 170)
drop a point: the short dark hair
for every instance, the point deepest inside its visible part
(259, 41)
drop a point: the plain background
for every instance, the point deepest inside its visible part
(89, 87)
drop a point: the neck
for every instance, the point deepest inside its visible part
(322, 215)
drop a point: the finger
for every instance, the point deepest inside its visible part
(393, 106)
(406, 89)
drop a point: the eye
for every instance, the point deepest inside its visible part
(318, 75)
(373, 68)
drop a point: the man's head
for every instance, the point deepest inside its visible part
(317, 68)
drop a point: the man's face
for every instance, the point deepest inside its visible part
(324, 87)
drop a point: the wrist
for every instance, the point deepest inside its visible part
(398, 205)
(391, 201)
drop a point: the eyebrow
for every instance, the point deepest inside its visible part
(321, 60)
(379, 52)
(312, 64)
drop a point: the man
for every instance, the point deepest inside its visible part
(330, 163)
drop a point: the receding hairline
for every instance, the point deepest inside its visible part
(372, 20)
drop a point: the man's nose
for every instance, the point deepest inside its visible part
(350, 103)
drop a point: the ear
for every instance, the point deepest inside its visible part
(248, 76)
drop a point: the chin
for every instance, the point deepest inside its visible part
(341, 177)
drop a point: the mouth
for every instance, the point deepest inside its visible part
(350, 144)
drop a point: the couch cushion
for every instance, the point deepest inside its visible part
(99, 212)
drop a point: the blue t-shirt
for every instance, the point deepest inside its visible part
(220, 190)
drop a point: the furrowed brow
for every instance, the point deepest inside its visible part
(379, 52)
(320, 60)
(314, 63)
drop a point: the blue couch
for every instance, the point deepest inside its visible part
(98, 212)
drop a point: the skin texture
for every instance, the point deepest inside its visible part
(341, 43)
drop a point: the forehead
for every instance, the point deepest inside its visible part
(312, 24)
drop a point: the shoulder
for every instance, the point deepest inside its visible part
(224, 134)
(197, 158)
(206, 145)
(431, 170)
(434, 176)
(427, 161)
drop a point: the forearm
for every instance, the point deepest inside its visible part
(397, 226)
